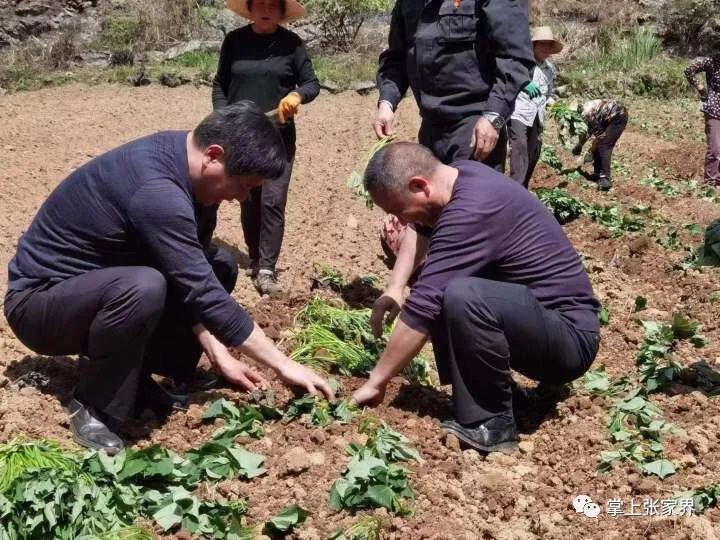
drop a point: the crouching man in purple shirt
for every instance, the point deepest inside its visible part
(501, 288)
(118, 266)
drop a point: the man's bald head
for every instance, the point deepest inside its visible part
(390, 169)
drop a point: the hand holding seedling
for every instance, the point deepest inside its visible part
(384, 120)
(384, 311)
(484, 138)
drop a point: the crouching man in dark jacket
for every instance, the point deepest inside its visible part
(501, 288)
(118, 266)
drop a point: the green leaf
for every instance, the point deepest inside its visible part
(288, 518)
(382, 495)
(661, 468)
(604, 317)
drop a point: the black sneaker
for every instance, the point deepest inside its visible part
(499, 434)
(604, 183)
(252, 269)
(90, 431)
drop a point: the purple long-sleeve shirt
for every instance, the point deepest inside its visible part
(494, 228)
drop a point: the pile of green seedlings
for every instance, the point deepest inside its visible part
(636, 425)
(340, 339)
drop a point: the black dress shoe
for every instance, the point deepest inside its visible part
(498, 434)
(90, 431)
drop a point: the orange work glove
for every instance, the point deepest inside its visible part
(289, 106)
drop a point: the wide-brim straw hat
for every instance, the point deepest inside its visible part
(544, 33)
(294, 10)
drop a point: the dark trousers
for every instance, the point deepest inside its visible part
(712, 156)
(605, 143)
(525, 145)
(124, 321)
(452, 142)
(489, 327)
(262, 214)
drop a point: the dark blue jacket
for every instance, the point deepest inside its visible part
(460, 58)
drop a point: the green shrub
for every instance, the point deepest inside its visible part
(345, 69)
(340, 20)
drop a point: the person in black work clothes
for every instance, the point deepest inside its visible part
(465, 61)
(268, 65)
(118, 266)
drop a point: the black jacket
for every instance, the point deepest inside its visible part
(460, 58)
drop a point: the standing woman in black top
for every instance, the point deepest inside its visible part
(267, 64)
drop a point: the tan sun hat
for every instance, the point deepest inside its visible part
(544, 33)
(293, 9)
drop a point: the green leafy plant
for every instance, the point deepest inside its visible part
(320, 411)
(221, 458)
(658, 367)
(328, 277)
(612, 218)
(604, 316)
(564, 206)
(383, 442)
(597, 382)
(369, 482)
(704, 497)
(355, 180)
(661, 185)
(570, 122)
(286, 520)
(240, 421)
(638, 426)
(550, 158)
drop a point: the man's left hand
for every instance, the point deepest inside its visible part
(370, 394)
(484, 139)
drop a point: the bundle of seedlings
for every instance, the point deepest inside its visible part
(355, 180)
(340, 339)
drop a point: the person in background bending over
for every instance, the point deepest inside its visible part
(267, 64)
(526, 122)
(710, 97)
(606, 120)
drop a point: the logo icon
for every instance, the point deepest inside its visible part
(584, 505)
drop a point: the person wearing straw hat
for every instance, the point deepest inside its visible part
(527, 120)
(268, 65)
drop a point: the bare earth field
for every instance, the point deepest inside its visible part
(45, 134)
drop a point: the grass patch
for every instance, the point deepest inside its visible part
(632, 65)
(342, 70)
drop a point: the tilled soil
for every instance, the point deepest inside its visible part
(460, 494)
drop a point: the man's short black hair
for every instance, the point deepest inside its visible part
(283, 6)
(393, 165)
(252, 144)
